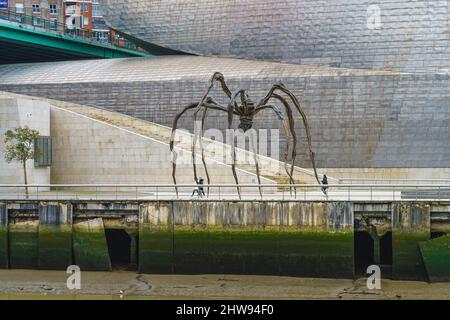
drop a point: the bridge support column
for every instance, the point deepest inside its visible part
(410, 225)
(55, 235)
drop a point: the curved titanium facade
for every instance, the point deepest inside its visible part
(358, 118)
(402, 34)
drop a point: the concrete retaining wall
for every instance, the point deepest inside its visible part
(436, 256)
(89, 245)
(312, 239)
(410, 226)
(247, 238)
(55, 235)
(3, 236)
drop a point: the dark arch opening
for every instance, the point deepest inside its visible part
(364, 251)
(386, 249)
(437, 234)
(119, 247)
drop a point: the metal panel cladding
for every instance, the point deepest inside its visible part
(402, 34)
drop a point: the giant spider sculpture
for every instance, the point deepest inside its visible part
(241, 105)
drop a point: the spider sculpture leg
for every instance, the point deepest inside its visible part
(210, 104)
(288, 126)
(297, 105)
(232, 109)
(255, 159)
(217, 76)
(286, 153)
(198, 135)
(290, 123)
(200, 138)
(193, 145)
(233, 148)
(172, 139)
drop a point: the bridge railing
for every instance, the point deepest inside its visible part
(53, 26)
(393, 181)
(249, 192)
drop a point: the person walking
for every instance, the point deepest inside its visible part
(198, 189)
(325, 184)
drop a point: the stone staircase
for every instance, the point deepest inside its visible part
(269, 168)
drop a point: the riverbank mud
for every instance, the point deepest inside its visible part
(35, 284)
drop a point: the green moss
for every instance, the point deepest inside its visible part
(298, 253)
(155, 250)
(3, 247)
(23, 246)
(90, 249)
(55, 246)
(436, 257)
(406, 260)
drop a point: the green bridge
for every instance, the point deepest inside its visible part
(20, 43)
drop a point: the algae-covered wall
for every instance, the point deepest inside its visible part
(3, 236)
(55, 236)
(89, 244)
(42, 235)
(289, 238)
(410, 225)
(23, 244)
(436, 257)
(284, 238)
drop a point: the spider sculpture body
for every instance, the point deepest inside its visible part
(242, 106)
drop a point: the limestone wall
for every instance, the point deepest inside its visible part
(22, 111)
(93, 152)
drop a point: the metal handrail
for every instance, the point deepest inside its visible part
(248, 185)
(367, 181)
(305, 192)
(395, 180)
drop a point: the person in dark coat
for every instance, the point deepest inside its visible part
(325, 183)
(198, 189)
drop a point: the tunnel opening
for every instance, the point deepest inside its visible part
(364, 252)
(386, 249)
(386, 254)
(119, 248)
(436, 234)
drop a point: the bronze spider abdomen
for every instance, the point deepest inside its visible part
(245, 123)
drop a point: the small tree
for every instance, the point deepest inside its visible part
(20, 147)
